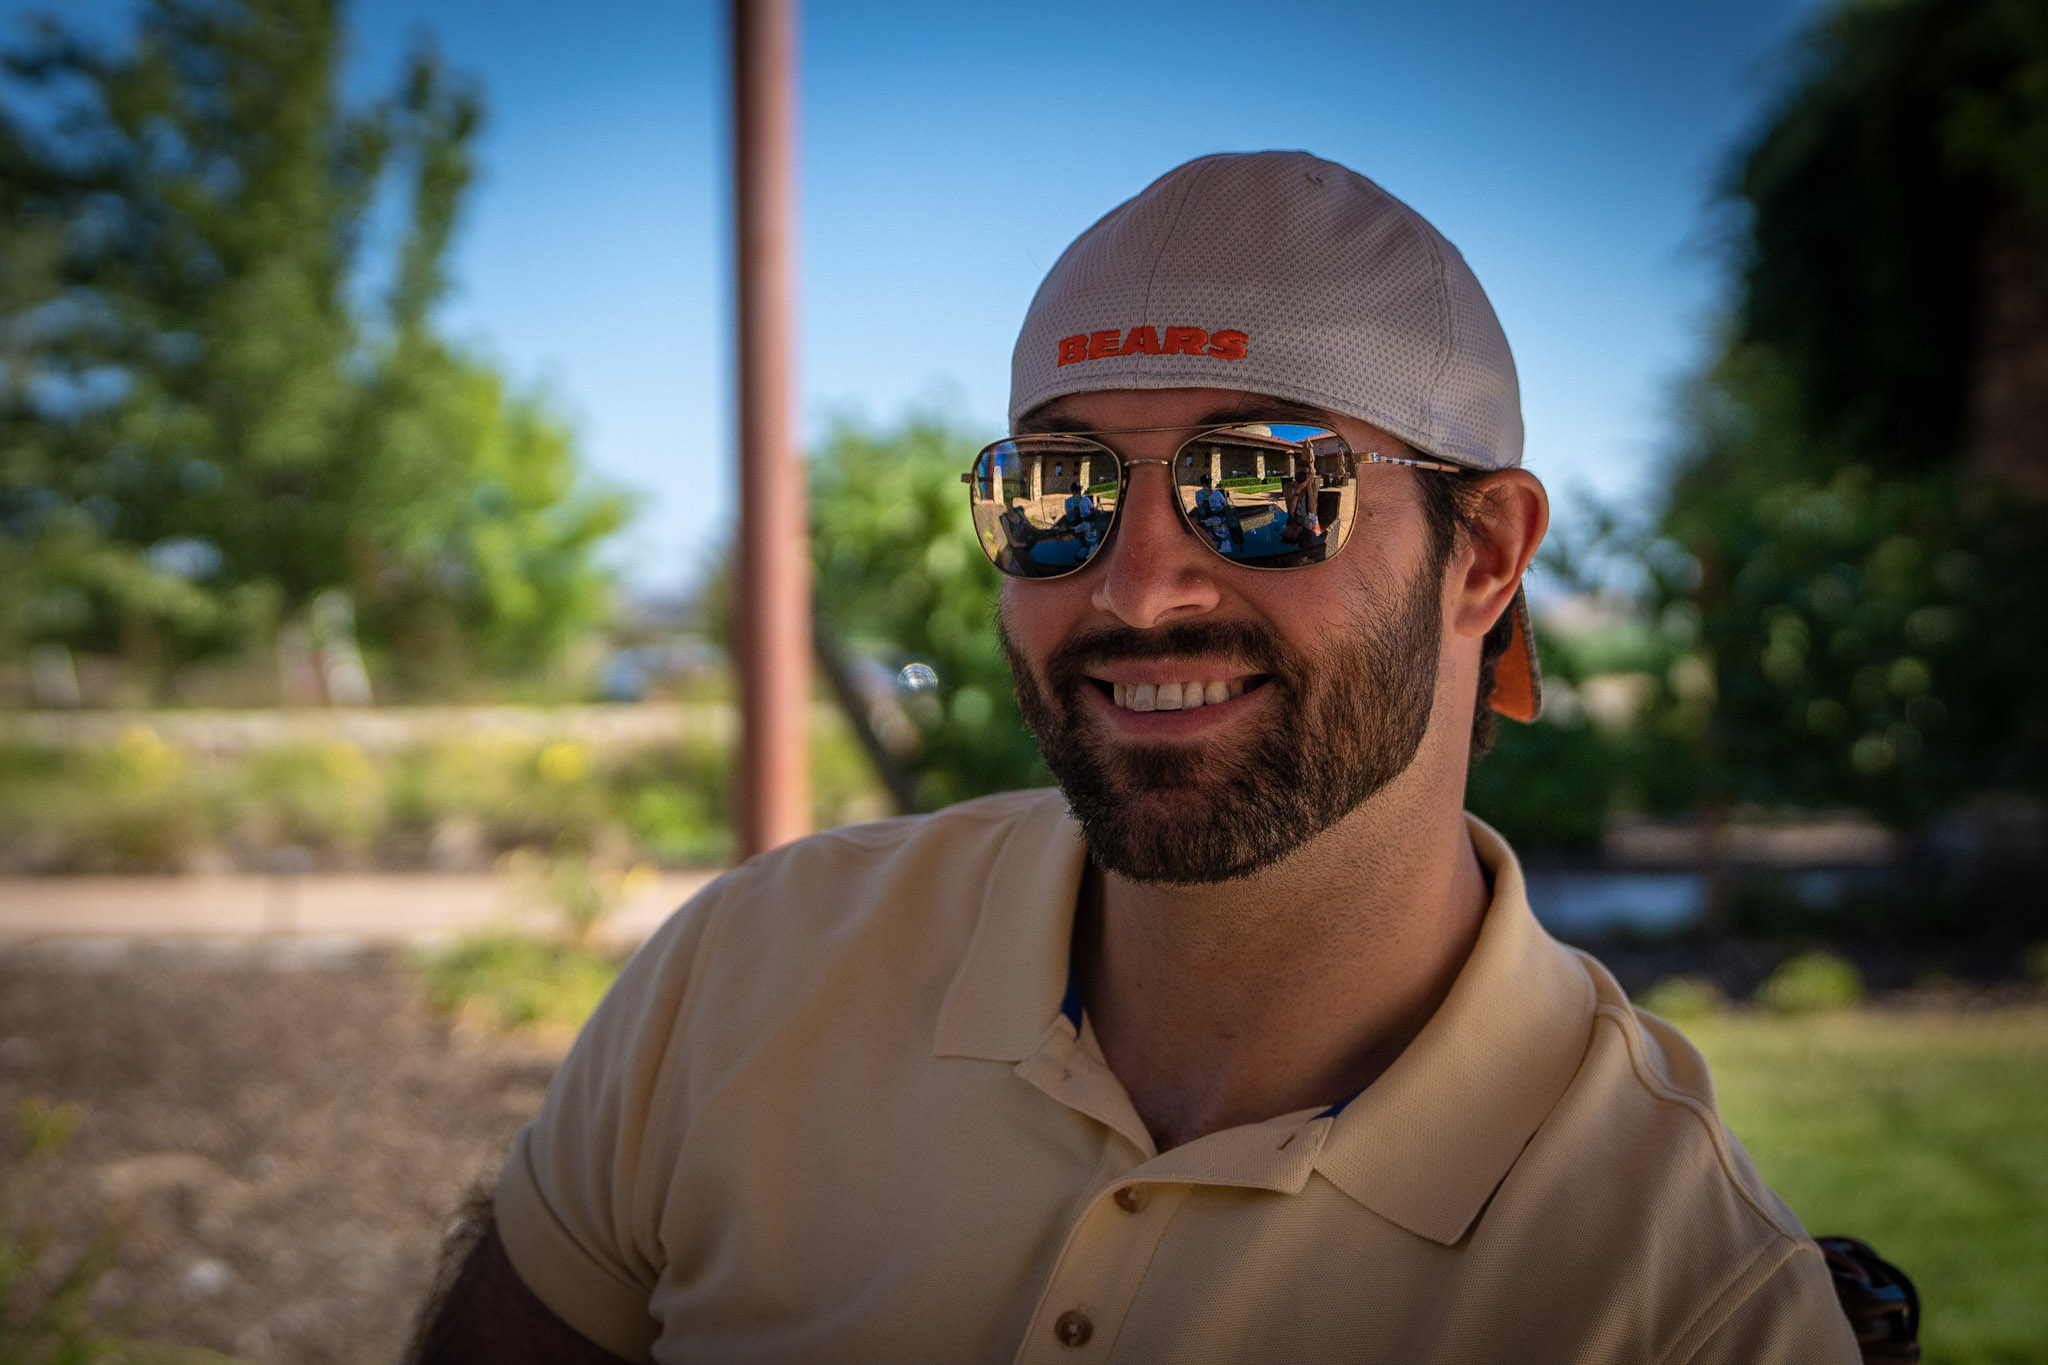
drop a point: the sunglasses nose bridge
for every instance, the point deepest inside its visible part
(1172, 493)
(1153, 500)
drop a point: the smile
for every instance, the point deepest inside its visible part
(1177, 696)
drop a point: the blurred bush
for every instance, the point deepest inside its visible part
(1810, 983)
(500, 981)
(329, 797)
(901, 577)
(1836, 600)
(1679, 998)
(1855, 518)
(143, 805)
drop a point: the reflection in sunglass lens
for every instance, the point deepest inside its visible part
(1268, 495)
(1042, 504)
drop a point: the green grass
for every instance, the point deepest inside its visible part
(510, 981)
(1926, 1135)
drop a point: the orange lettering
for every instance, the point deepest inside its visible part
(1228, 345)
(1073, 349)
(1101, 344)
(1142, 341)
(1185, 340)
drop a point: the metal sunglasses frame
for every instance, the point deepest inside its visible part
(1126, 464)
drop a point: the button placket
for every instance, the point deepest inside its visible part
(1099, 1273)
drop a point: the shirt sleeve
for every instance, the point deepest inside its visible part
(1790, 1316)
(578, 1199)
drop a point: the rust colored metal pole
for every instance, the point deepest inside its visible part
(772, 595)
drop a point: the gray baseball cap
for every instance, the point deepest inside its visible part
(1284, 274)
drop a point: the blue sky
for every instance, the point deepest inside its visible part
(950, 151)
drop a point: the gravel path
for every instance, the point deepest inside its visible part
(275, 1143)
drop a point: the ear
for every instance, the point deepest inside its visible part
(1514, 513)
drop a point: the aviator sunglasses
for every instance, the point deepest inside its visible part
(1264, 495)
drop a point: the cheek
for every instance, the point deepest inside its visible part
(1038, 617)
(1389, 546)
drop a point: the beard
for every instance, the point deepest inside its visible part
(1345, 719)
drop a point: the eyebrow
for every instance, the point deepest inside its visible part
(1251, 409)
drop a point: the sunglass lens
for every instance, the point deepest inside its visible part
(1042, 507)
(1269, 495)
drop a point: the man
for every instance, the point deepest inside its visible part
(1213, 514)
(1080, 507)
(1303, 524)
(1244, 1046)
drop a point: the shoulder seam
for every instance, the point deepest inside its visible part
(1769, 1259)
(1624, 1020)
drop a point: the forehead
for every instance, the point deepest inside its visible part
(1130, 409)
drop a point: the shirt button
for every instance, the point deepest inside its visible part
(1131, 1198)
(1073, 1328)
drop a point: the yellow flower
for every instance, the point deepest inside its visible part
(564, 762)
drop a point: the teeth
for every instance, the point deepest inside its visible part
(1180, 696)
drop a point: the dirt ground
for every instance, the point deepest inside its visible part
(275, 1142)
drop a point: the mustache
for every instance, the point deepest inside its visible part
(1247, 642)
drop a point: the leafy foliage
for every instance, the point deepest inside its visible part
(899, 572)
(1809, 983)
(1870, 600)
(509, 981)
(208, 415)
(1551, 787)
(1869, 193)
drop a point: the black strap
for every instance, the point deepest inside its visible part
(1881, 1303)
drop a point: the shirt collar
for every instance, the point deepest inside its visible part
(1014, 978)
(1426, 1144)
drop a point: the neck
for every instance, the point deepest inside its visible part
(1292, 988)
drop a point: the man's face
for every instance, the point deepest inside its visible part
(1327, 673)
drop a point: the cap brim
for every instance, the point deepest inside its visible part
(1517, 678)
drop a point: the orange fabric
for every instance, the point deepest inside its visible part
(1517, 679)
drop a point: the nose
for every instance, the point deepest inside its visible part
(1153, 571)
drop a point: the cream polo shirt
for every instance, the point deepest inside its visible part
(844, 1107)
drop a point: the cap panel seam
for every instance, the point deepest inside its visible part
(1172, 230)
(1450, 314)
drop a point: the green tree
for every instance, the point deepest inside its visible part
(203, 425)
(900, 575)
(1859, 501)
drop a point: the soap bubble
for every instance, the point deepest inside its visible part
(917, 678)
